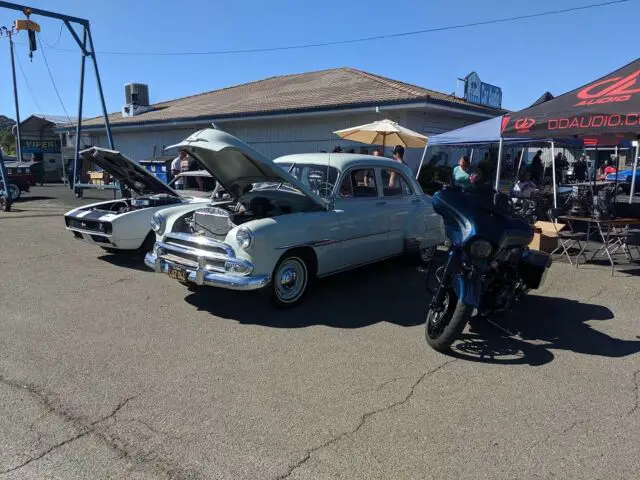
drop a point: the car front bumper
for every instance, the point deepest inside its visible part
(201, 275)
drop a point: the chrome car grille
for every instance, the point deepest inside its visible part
(88, 225)
(193, 251)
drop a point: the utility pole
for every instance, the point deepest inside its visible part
(15, 99)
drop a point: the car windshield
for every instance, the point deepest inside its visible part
(321, 179)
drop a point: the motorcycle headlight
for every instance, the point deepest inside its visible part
(158, 223)
(480, 249)
(244, 237)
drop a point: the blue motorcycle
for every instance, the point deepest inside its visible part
(489, 265)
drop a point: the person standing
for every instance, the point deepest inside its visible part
(537, 169)
(461, 175)
(178, 165)
(580, 169)
(398, 156)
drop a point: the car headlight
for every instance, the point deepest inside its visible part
(244, 237)
(158, 222)
(480, 249)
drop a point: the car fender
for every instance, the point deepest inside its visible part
(424, 224)
(274, 236)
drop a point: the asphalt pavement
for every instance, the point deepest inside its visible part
(108, 370)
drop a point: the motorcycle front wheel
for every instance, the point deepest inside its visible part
(443, 328)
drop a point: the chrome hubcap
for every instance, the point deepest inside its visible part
(288, 278)
(291, 280)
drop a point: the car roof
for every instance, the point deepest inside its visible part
(340, 161)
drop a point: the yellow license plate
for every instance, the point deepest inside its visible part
(178, 274)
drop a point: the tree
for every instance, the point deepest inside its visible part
(7, 142)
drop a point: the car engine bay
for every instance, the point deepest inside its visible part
(131, 204)
(219, 218)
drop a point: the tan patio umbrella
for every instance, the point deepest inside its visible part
(383, 132)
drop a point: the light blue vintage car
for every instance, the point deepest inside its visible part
(293, 219)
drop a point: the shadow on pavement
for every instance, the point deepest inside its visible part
(542, 323)
(126, 259)
(385, 292)
(32, 198)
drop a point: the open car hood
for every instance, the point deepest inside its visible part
(127, 171)
(236, 165)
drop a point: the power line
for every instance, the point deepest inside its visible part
(57, 41)
(368, 39)
(52, 80)
(24, 76)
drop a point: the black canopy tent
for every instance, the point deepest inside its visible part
(603, 112)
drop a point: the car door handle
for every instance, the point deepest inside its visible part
(381, 203)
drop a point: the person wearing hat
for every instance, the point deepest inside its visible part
(398, 156)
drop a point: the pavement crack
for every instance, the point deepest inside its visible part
(600, 291)
(380, 386)
(52, 407)
(363, 420)
(46, 452)
(117, 408)
(636, 392)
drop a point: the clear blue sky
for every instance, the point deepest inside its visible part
(526, 57)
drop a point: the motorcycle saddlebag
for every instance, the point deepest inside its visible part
(533, 268)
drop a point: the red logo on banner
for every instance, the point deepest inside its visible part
(524, 124)
(610, 90)
(505, 122)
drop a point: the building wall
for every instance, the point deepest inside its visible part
(276, 137)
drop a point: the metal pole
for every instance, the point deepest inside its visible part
(553, 172)
(5, 182)
(64, 172)
(424, 154)
(499, 164)
(633, 172)
(471, 156)
(76, 160)
(15, 100)
(104, 106)
(522, 155)
(615, 188)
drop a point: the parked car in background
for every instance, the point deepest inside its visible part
(20, 178)
(124, 224)
(289, 221)
(624, 178)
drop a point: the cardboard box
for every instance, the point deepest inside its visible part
(545, 237)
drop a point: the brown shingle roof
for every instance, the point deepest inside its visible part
(324, 89)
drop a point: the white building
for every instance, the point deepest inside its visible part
(283, 115)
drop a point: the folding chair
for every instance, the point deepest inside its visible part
(625, 239)
(569, 239)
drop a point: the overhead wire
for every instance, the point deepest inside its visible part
(370, 38)
(55, 87)
(26, 82)
(58, 40)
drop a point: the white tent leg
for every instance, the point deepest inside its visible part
(633, 173)
(553, 172)
(499, 165)
(424, 154)
(522, 157)
(471, 156)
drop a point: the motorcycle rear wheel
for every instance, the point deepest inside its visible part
(443, 328)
